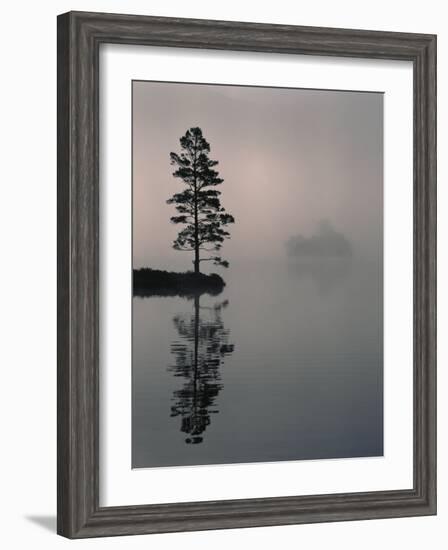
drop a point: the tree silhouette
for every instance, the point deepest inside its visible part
(199, 354)
(198, 205)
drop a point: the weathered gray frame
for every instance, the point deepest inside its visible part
(79, 37)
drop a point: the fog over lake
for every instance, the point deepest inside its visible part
(286, 363)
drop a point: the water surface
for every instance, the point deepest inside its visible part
(285, 364)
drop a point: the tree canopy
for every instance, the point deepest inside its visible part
(198, 205)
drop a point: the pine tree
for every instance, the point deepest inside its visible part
(198, 205)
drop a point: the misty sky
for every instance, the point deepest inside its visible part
(290, 159)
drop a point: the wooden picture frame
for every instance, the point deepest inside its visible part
(79, 38)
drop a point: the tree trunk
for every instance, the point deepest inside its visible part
(196, 235)
(196, 259)
(196, 220)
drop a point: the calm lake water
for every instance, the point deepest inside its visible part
(285, 364)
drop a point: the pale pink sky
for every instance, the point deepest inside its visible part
(289, 158)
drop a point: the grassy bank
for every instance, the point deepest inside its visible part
(155, 282)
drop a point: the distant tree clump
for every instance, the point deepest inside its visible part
(325, 243)
(198, 204)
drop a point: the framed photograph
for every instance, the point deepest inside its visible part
(246, 274)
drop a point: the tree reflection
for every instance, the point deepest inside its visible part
(199, 354)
